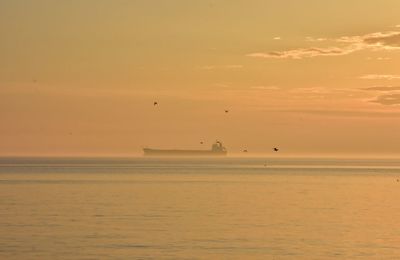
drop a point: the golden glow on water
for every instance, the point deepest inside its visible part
(207, 210)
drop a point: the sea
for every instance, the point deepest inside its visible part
(199, 208)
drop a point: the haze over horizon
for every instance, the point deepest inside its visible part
(312, 77)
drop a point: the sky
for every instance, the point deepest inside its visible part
(310, 77)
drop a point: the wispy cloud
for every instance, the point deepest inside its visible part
(341, 113)
(389, 40)
(312, 39)
(380, 76)
(265, 87)
(378, 58)
(378, 40)
(302, 53)
(313, 90)
(388, 99)
(383, 58)
(345, 45)
(382, 88)
(391, 97)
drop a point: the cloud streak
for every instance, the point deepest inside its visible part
(347, 45)
(388, 99)
(302, 53)
(391, 96)
(343, 113)
(380, 76)
(388, 41)
(382, 88)
(265, 87)
(312, 39)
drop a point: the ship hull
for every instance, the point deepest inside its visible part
(158, 152)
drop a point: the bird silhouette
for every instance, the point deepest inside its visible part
(155, 103)
(276, 149)
(226, 111)
(245, 151)
(201, 142)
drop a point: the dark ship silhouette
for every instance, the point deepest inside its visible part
(217, 149)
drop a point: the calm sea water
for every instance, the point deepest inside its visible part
(226, 208)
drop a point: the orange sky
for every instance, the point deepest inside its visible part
(312, 77)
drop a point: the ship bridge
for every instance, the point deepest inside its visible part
(218, 147)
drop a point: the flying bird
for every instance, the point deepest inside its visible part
(155, 103)
(226, 111)
(201, 142)
(276, 149)
(245, 151)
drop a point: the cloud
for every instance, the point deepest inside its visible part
(378, 58)
(388, 99)
(377, 40)
(312, 39)
(223, 67)
(314, 90)
(390, 40)
(324, 90)
(302, 53)
(338, 113)
(382, 88)
(346, 45)
(380, 76)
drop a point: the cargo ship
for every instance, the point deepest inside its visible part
(217, 149)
